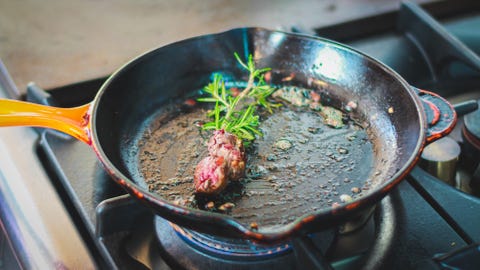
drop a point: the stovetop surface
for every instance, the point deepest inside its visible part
(430, 218)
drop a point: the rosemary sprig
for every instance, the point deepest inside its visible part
(237, 114)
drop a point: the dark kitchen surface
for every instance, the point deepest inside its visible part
(55, 42)
(424, 224)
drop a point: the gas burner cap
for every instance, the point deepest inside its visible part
(443, 150)
(227, 248)
(440, 159)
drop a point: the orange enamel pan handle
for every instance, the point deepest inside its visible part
(73, 121)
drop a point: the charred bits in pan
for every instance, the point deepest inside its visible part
(301, 163)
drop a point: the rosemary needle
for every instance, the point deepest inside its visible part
(237, 114)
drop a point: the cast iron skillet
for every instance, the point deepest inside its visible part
(402, 118)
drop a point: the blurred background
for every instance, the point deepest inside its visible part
(56, 42)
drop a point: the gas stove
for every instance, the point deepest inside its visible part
(53, 188)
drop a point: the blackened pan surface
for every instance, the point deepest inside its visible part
(299, 166)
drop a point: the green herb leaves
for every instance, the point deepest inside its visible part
(235, 112)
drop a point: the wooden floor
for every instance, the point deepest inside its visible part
(56, 42)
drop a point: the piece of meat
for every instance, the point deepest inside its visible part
(210, 175)
(226, 162)
(230, 147)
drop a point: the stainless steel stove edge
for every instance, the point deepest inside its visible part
(34, 220)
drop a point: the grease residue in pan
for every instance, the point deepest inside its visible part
(299, 166)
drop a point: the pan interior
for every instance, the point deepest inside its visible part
(299, 165)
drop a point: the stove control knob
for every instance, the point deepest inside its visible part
(440, 159)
